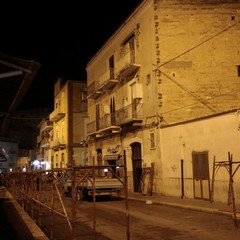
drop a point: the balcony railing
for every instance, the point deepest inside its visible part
(45, 142)
(106, 81)
(56, 145)
(93, 90)
(46, 126)
(56, 115)
(133, 113)
(127, 64)
(91, 127)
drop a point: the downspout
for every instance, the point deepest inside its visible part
(182, 178)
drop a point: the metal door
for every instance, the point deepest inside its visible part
(201, 181)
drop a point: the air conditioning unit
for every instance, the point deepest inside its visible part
(138, 93)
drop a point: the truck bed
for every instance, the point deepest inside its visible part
(103, 186)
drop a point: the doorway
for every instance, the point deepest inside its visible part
(136, 165)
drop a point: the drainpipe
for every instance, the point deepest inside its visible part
(182, 178)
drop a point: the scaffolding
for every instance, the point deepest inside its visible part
(232, 168)
(40, 192)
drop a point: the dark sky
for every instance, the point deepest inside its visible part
(61, 35)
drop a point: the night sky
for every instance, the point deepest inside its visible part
(61, 35)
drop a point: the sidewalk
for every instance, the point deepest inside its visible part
(194, 204)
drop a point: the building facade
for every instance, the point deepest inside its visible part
(170, 65)
(45, 153)
(62, 138)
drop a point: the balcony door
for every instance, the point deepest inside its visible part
(129, 47)
(132, 49)
(111, 67)
(112, 111)
(97, 117)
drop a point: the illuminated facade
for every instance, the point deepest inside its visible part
(69, 118)
(160, 89)
(44, 138)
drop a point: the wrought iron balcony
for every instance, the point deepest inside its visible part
(107, 80)
(45, 142)
(56, 115)
(57, 145)
(112, 123)
(127, 65)
(93, 91)
(46, 126)
(107, 124)
(131, 114)
(91, 127)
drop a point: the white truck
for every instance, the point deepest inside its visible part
(88, 186)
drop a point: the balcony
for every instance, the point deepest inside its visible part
(106, 81)
(46, 126)
(93, 91)
(45, 142)
(56, 115)
(105, 126)
(127, 65)
(131, 114)
(57, 145)
(91, 128)
(109, 124)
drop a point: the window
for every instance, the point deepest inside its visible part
(148, 79)
(56, 158)
(111, 66)
(152, 140)
(113, 111)
(56, 104)
(97, 117)
(62, 160)
(129, 46)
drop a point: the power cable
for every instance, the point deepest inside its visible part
(190, 93)
(196, 46)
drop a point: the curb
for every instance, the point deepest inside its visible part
(191, 207)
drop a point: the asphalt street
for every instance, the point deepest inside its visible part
(138, 218)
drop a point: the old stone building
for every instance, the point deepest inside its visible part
(164, 89)
(67, 135)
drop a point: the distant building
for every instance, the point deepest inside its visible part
(64, 144)
(45, 153)
(165, 88)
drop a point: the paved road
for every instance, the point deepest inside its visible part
(146, 222)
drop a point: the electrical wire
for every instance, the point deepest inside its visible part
(196, 46)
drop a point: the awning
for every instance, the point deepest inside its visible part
(111, 157)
